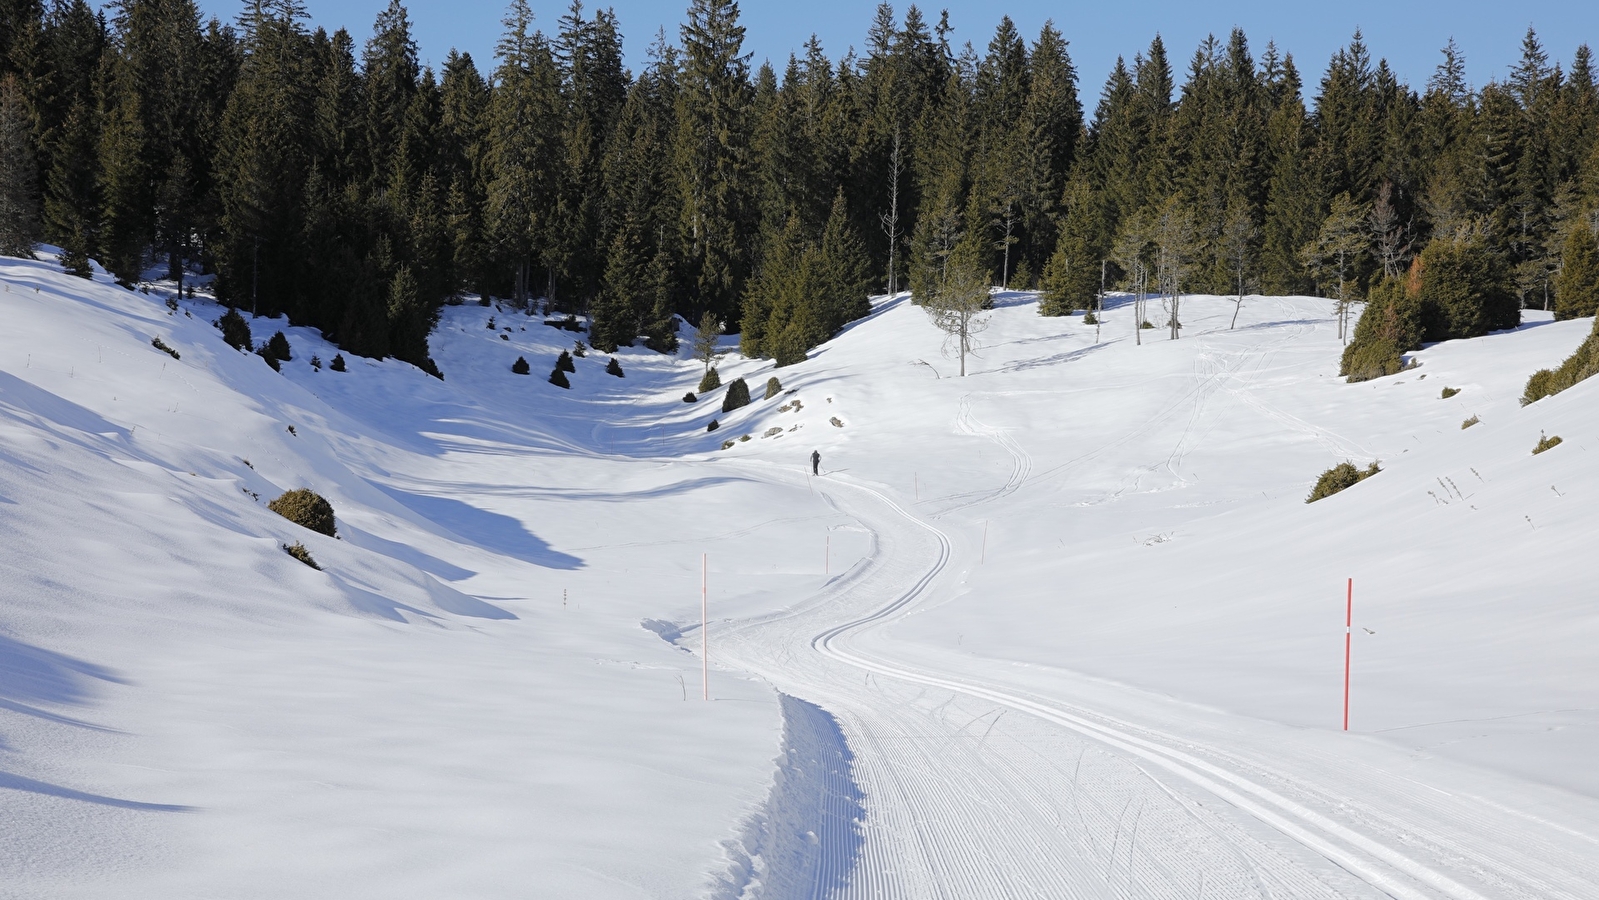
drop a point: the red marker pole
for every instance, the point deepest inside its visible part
(1349, 621)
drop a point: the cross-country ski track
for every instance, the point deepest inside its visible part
(1062, 628)
(961, 801)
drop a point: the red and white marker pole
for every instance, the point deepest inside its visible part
(705, 638)
(1349, 622)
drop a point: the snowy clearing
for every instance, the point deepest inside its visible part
(1062, 628)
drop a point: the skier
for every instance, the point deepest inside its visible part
(816, 462)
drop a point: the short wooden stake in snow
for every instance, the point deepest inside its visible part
(705, 638)
(1349, 623)
(984, 559)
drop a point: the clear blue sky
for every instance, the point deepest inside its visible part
(1408, 34)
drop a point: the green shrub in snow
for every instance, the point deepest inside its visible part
(161, 345)
(278, 346)
(1470, 422)
(773, 387)
(338, 362)
(1449, 392)
(1582, 364)
(711, 381)
(564, 363)
(690, 398)
(713, 426)
(738, 394)
(614, 368)
(298, 551)
(558, 378)
(271, 360)
(1338, 477)
(1544, 443)
(235, 330)
(520, 367)
(307, 509)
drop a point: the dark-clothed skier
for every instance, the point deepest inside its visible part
(816, 462)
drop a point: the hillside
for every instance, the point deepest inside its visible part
(1081, 581)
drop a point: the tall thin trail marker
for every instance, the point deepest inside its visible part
(1349, 622)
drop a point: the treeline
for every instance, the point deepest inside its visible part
(358, 191)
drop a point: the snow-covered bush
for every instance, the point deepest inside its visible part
(307, 509)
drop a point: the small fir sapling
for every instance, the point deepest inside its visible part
(316, 362)
(579, 350)
(614, 368)
(773, 387)
(738, 394)
(558, 378)
(690, 398)
(307, 509)
(1449, 392)
(235, 330)
(710, 381)
(338, 362)
(564, 363)
(271, 360)
(278, 346)
(520, 367)
(1470, 422)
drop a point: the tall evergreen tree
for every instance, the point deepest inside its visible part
(711, 152)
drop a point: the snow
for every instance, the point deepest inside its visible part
(1064, 627)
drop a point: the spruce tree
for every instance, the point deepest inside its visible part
(19, 194)
(1577, 288)
(711, 153)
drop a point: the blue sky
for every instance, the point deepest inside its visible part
(1408, 34)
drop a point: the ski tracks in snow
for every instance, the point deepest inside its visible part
(976, 789)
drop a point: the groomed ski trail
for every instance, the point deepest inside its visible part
(976, 789)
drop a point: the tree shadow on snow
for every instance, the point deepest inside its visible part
(492, 531)
(30, 675)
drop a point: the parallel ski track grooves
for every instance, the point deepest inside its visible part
(909, 850)
(1348, 848)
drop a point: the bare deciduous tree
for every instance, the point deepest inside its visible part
(1388, 236)
(1238, 239)
(890, 219)
(957, 308)
(1174, 247)
(706, 336)
(1334, 250)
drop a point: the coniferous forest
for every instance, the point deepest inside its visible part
(339, 181)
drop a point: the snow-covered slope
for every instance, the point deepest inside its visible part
(1064, 627)
(461, 704)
